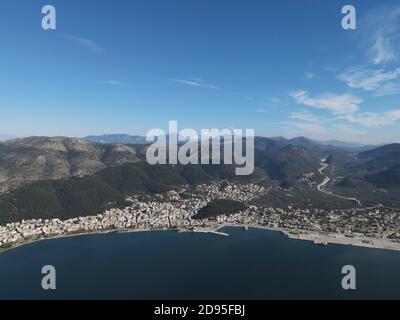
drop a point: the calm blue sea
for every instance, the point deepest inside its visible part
(254, 264)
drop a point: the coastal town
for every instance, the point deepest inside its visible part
(376, 227)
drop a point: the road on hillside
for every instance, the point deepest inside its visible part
(321, 187)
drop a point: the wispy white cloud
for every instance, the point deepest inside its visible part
(380, 29)
(345, 129)
(338, 104)
(113, 83)
(86, 43)
(299, 128)
(271, 103)
(347, 108)
(382, 50)
(305, 116)
(390, 88)
(262, 110)
(311, 130)
(368, 79)
(274, 100)
(195, 83)
(321, 131)
(373, 119)
(310, 75)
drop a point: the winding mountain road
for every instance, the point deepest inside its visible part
(321, 187)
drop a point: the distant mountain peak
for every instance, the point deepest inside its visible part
(117, 138)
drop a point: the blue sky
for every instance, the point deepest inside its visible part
(280, 67)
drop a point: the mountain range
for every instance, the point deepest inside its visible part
(39, 158)
(116, 139)
(64, 177)
(303, 141)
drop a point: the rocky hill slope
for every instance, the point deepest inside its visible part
(43, 158)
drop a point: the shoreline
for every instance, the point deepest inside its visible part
(73, 235)
(336, 239)
(292, 234)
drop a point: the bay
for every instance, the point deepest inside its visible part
(253, 264)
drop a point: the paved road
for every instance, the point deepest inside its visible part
(321, 187)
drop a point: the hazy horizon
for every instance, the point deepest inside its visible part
(13, 137)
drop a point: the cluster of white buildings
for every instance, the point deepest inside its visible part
(164, 212)
(176, 210)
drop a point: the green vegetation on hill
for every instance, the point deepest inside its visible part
(380, 152)
(82, 196)
(387, 179)
(287, 163)
(219, 207)
(63, 199)
(347, 182)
